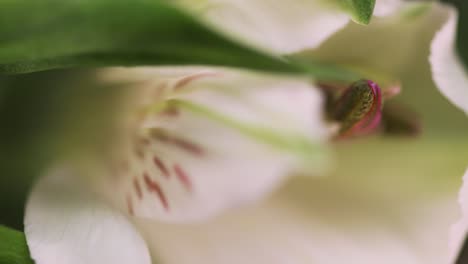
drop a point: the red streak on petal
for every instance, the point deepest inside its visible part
(155, 188)
(136, 185)
(181, 143)
(188, 79)
(188, 146)
(161, 166)
(183, 177)
(130, 205)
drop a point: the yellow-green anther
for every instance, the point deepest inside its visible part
(359, 109)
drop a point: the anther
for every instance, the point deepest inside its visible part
(358, 109)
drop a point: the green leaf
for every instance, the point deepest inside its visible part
(462, 30)
(361, 10)
(13, 247)
(47, 34)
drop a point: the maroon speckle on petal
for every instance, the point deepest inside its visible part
(183, 177)
(178, 142)
(154, 187)
(136, 185)
(188, 146)
(188, 79)
(161, 166)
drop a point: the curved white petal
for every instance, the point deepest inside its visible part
(216, 138)
(278, 26)
(387, 49)
(66, 223)
(448, 71)
(460, 229)
(377, 208)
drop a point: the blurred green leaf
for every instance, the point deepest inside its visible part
(462, 33)
(46, 115)
(47, 34)
(13, 247)
(360, 10)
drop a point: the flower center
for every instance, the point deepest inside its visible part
(359, 111)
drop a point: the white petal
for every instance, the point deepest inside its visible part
(65, 223)
(381, 206)
(448, 71)
(386, 7)
(386, 49)
(224, 139)
(460, 229)
(278, 26)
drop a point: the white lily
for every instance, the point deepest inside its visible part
(199, 141)
(227, 139)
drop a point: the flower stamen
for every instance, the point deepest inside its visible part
(359, 109)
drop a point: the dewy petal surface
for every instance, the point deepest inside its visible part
(376, 208)
(214, 139)
(448, 70)
(277, 26)
(66, 223)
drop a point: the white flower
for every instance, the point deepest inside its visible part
(276, 26)
(214, 139)
(199, 141)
